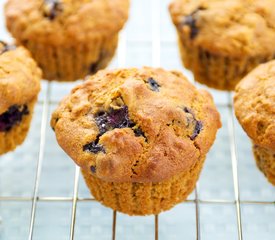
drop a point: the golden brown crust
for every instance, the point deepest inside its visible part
(254, 103)
(19, 78)
(168, 118)
(74, 21)
(234, 28)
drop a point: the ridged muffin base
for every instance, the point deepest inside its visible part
(144, 198)
(70, 63)
(217, 71)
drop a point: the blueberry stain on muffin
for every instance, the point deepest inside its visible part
(191, 22)
(153, 84)
(108, 121)
(138, 133)
(93, 169)
(191, 120)
(6, 47)
(52, 8)
(115, 118)
(197, 130)
(12, 117)
(94, 147)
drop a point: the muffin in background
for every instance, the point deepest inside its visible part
(221, 41)
(69, 39)
(19, 87)
(140, 137)
(254, 103)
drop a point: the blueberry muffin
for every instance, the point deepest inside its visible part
(140, 137)
(68, 38)
(19, 87)
(255, 109)
(221, 41)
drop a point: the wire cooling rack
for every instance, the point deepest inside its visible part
(43, 196)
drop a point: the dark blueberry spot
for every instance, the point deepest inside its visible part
(52, 8)
(107, 121)
(115, 118)
(56, 120)
(197, 130)
(6, 47)
(119, 118)
(94, 147)
(138, 133)
(187, 110)
(93, 169)
(191, 22)
(191, 120)
(154, 86)
(13, 116)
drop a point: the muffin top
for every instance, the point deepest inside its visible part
(65, 22)
(233, 28)
(19, 77)
(136, 125)
(254, 103)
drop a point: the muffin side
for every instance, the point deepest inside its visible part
(135, 198)
(221, 41)
(15, 136)
(73, 62)
(19, 87)
(265, 159)
(254, 104)
(216, 71)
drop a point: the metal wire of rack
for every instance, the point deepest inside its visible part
(46, 102)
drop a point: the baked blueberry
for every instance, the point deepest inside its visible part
(197, 130)
(94, 147)
(154, 86)
(107, 121)
(93, 169)
(115, 118)
(191, 21)
(194, 122)
(52, 8)
(12, 117)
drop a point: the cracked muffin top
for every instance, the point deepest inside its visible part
(254, 104)
(19, 77)
(227, 27)
(65, 21)
(136, 125)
